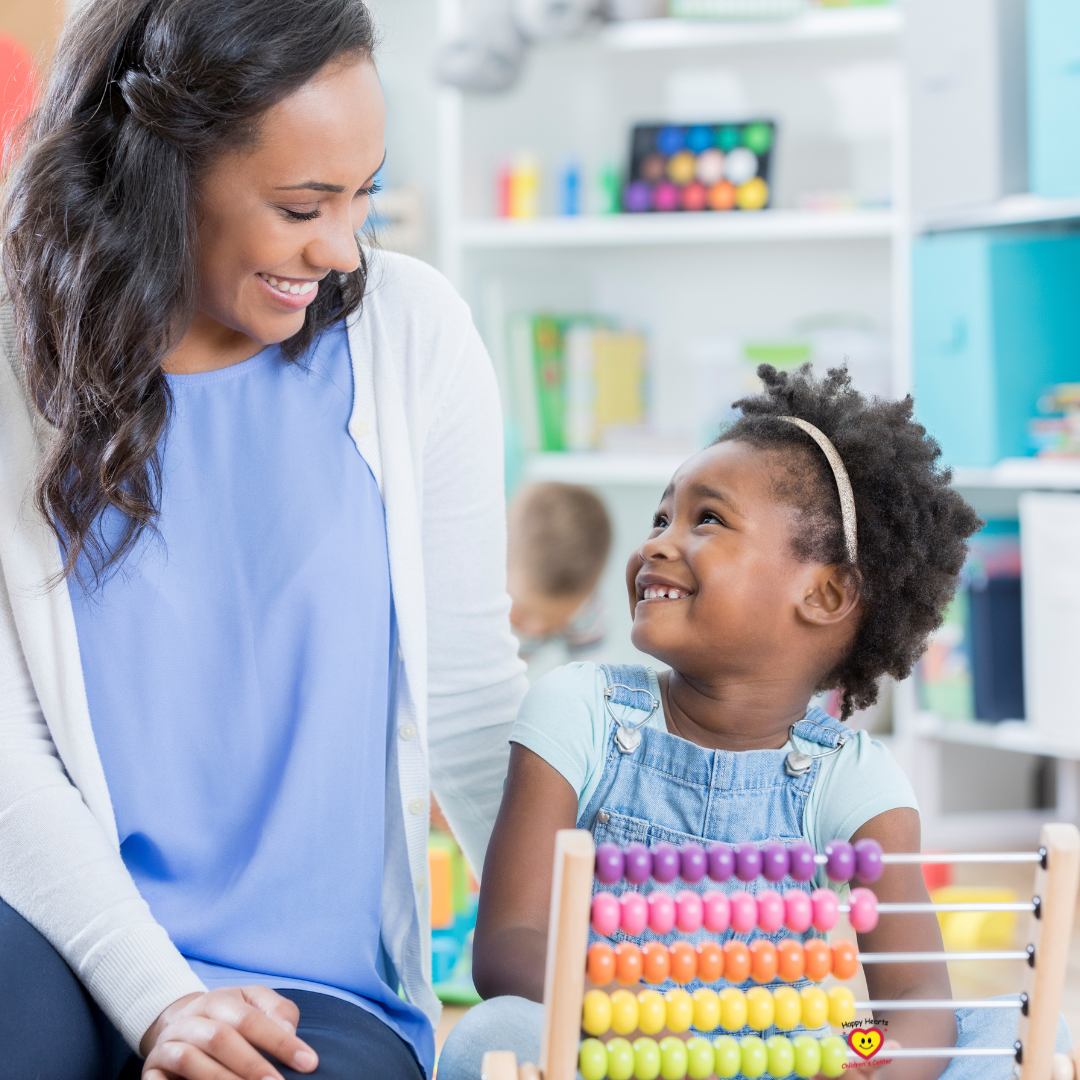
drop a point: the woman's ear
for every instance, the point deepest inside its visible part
(829, 596)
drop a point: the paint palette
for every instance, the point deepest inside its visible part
(697, 167)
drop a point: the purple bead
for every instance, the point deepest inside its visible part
(841, 864)
(721, 862)
(868, 864)
(774, 861)
(692, 862)
(747, 861)
(637, 863)
(801, 857)
(665, 863)
(637, 197)
(609, 863)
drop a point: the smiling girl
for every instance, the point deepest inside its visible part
(231, 441)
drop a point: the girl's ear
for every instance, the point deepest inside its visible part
(829, 596)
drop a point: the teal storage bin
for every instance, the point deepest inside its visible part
(1053, 41)
(995, 320)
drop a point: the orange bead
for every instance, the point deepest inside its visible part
(791, 959)
(657, 962)
(628, 963)
(845, 959)
(818, 959)
(600, 965)
(736, 961)
(683, 962)
(710, 961)
(763, 960)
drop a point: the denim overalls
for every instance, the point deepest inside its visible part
(665, 788)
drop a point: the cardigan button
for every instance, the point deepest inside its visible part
(417, 805)
(421, 883)
(361, 429)
(407, 731)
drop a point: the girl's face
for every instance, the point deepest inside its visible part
(277, 218)
(716, 589)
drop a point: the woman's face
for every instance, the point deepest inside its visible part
(278, 217)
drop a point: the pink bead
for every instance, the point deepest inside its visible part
(798, 911)
(635, 913)
(605, 914)
(717, 912)
(863, 915)
(689, 912)
(826, 905)
(661, 913)
(770, 911)
(743, 912)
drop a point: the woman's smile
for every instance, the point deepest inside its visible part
(293, 293)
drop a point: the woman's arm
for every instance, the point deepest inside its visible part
(510, 944)
(898, 830)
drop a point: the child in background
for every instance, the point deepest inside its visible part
(559, 536)
(814, 546)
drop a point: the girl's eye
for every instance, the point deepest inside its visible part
(709, 518)
(297, 215)
(659, 522)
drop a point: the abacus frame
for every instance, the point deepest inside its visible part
(1057, 876)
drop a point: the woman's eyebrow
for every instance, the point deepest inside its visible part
(335, 189)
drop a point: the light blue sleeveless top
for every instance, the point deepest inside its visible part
(238, 668)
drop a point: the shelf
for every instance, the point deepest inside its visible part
(1014, 210)
(630, 230)
(1013, 735)
(1022, 474)
(624, 469)
(814, 26)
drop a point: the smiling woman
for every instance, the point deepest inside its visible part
(231, 439)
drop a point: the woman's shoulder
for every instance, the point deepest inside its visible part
(410, 290)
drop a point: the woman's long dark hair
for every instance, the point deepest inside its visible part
(99, 227)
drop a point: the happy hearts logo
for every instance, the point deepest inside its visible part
(866, 1042)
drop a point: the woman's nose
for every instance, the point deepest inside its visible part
(336, 246)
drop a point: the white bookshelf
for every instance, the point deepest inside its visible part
(1015, 210)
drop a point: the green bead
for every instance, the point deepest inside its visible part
(755, 1056)
(833, 1055)
(727, 137)
(757, 137)
(699, 1058)
(807, 1056)
(620, 1059)
(673, 1058)
(781, 1056)
(646, 1059)
(592, 1060)
(727, 1057)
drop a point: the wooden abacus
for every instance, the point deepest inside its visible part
(569, 1010)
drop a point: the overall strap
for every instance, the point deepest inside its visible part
(628, 684)
(821, 728)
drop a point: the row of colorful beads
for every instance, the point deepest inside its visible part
(649, 1011)
(688, 912)
(735, 961)
(698, 1058)
(773, 861)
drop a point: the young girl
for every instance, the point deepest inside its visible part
(815, 545)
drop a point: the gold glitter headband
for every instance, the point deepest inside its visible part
(843, 483)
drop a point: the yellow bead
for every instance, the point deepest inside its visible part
(706, 1009)
(759, 1008)
(652, 1012)
(815, 1007)
(592, 1060)
(624, 1012)
(646, 1059)
(596, 1013)
(699, 1054)
(841, 1006)
(788, 1006)
(755, 1056)
(680, 1010)
(732, 1009)
(833, 1055)
(620, 1060)
(781, 1056)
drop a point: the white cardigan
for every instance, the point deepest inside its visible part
(426, 418)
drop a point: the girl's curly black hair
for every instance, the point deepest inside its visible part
(912, 524)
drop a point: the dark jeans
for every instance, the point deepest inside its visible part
(50, 1029)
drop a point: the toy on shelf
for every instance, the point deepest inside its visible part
(699, 167)
(627, 1021)
(454, 895)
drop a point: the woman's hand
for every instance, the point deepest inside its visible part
(198, 1034)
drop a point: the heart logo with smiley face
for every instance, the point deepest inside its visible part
(866, 1042)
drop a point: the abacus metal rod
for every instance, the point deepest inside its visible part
(941, 1051)
(912, 909)
(957, 857)
(943, 1003)
(931, 957)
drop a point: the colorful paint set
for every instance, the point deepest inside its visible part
(699, 167)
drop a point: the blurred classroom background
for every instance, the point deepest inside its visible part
(641, 200)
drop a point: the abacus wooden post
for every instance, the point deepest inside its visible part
(568, 939)
(499, 1065)
(1050, 932)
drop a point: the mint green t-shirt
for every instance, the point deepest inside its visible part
(563, 720)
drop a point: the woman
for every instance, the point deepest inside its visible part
(252, 541)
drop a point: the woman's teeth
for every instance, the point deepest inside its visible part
(664, 592)
(296, 288)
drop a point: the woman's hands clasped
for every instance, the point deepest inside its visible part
(218, 1036)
